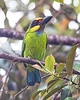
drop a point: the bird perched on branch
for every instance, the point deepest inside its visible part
(34, 46)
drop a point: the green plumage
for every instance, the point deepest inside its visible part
(34, 45)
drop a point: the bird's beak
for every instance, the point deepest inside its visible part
(45, 20)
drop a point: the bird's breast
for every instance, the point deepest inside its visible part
(36, 46)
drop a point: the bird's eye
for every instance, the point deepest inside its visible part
(35, 21)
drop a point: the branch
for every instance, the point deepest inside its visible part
(65, 40)
(7, 74)
(20, 92)
(71, 81)
(19, 59)
(26, 60)
(10, 33)
(56, 94)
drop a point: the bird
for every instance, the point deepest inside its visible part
(34, 46)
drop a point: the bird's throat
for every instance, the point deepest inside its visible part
(40, 32)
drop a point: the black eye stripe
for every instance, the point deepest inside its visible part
(34, 23)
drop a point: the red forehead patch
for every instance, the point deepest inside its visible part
(39, 20)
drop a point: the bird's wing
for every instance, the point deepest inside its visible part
(23, 48)
(46, 40)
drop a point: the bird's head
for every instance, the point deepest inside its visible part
(38, 24)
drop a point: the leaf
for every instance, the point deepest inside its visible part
(77, 9)
(66, 92)
(76, 66)
(75, 79)
(3, 6)
(55, 81)
(51, 77)
(60, 68)
(70, 59)
(49, 62)
(42, 87)
(60, 1)
(34, 95)
(38, 67)
(62, 75)
(53, 91)
(43, 93)
(68, 98)
(51, 83)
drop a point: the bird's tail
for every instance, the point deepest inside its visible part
(33, 77)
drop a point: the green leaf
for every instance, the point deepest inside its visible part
(70, 59)
(77, 9)
(68, 98)
(39, 68)
(60, 68)
(57, 84)
(51, 83)
(49, 62)
(66, 92)
(53, 91)
(51, 77)
(43, 93)
(62, 75)
(3, 6)
(76, 66)
(60, 1)
(42, 87)
(55, 81)
(34, 95)
(41, 90)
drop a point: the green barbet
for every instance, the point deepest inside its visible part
(34, 46)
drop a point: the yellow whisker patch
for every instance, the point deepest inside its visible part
(35, 28)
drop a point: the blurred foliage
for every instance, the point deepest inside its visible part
(17, 14)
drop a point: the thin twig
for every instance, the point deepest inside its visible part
(7, 74)
(71, 81)
(37, 5)
(46, 76)
(56, 94)
(20, 92)
(55, 13)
